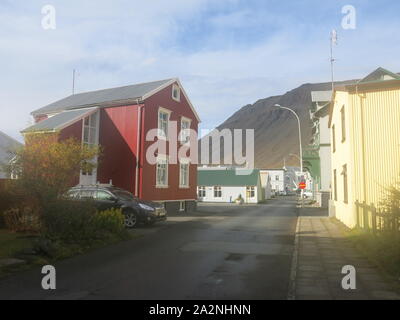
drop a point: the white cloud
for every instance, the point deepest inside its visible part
(124, 42)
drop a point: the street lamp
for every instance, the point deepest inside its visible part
(301, 148)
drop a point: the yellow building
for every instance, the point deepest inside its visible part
(365, 136)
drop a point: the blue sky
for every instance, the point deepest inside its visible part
(227, 53)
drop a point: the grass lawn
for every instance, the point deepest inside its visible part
(382, 249)
(13, 243)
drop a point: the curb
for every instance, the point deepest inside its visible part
(293, 270)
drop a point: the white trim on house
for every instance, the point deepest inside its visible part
(164, 158)
(174, 87)
(186, 162)
(149, 94)
(168, 113)
(184, 137)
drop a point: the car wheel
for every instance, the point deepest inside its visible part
(131, 220)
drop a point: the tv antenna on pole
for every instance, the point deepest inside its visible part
(334, 40)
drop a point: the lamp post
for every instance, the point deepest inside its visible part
(300, 146)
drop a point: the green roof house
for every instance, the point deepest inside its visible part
(227, 185)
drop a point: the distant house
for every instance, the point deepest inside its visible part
(227, 185)
(364, 121)
(278, 184)
(317, 156)
(266, 184)
(7, 146)
(119, 119)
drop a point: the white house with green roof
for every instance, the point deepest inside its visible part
(227, 185)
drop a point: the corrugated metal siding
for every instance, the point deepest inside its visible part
(373, 155)
(380, 112)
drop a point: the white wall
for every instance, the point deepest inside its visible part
(230, 194)
(277, 185)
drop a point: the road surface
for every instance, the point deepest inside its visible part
(220, 252)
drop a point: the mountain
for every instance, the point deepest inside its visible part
(276, 130)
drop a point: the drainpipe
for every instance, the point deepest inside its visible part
(138, 140)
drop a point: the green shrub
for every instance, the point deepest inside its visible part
(70, 228)
(69, 221)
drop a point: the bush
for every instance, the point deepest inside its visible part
(22, 219)
(70, 228)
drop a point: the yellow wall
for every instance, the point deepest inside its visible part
(371, 150)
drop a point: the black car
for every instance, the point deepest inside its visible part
(107, 197)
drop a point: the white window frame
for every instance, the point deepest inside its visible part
(182, 206)
(250, 190)
(162, 159)
(92, 140)
(178, 88)
(219, 190)
(184, 136)
(184, 162)
(201, 189)
(163, 134)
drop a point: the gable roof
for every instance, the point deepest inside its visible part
(376, 80)
(380, 74)
(60, 120)
(91, 98)
(7, 144)
(112, 97)
(228, 177)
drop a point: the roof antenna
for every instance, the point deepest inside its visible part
(334, 41)
(74, 75)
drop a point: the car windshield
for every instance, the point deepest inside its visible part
(124, 195)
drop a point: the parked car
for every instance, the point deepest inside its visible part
(106, 197)
(307, 194)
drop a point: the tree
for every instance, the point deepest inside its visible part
(47, 167)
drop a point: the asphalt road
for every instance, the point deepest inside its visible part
(220, 252)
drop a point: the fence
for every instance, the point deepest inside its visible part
(376, 220)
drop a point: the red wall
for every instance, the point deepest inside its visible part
(118, 139)
(148, 171)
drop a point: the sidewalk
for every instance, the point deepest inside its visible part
(322, 251)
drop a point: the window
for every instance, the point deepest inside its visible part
(162, 173)
(184, 174)
(89, 137)
(163, 117)
(217, 192)
(334, 185)
(345, 190)
(89, 129)
(185, 130)
(176, 93)
(333, 138)
(250, 192)
(103, 195)
(277, 178)
(181, 205)
(343, 116)
(86, 194)
(202, 192)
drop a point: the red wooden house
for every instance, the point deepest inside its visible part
(118, 120)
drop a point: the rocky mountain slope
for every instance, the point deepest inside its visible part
(276, 130)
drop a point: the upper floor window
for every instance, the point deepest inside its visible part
(185, 130)
(343, 117)
(176, 93)
(333, 138)
(163, 118)
(90, 129)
